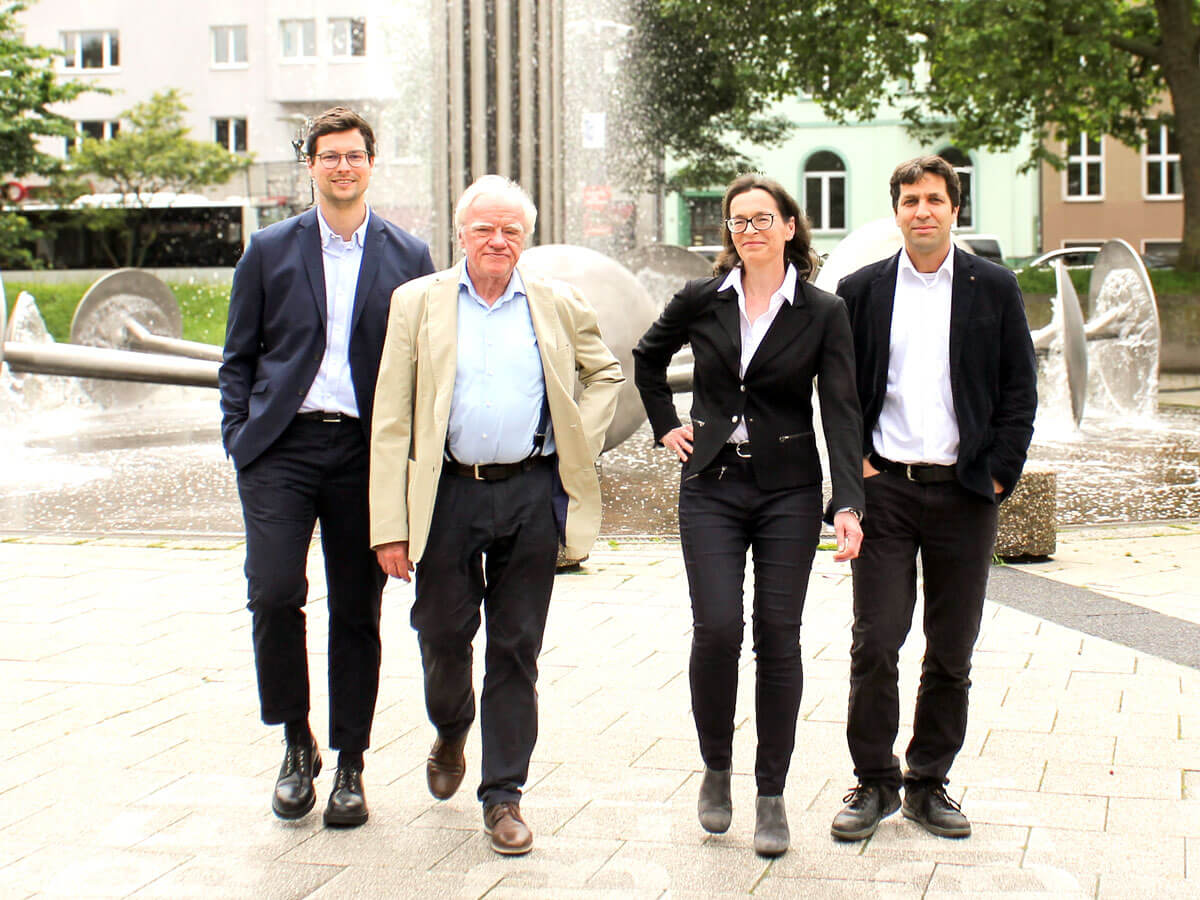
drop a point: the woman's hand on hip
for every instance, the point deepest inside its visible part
(680, 440)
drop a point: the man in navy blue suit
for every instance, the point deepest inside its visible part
(307, 318)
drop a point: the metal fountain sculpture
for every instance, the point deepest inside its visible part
(127, 327)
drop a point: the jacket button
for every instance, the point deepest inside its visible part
(733, 419)
(742, 388)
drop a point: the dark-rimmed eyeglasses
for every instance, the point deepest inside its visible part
(761, 222)
(330, 160)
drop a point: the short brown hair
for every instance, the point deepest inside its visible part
(797, 251)
(336, 119)
(914, 170)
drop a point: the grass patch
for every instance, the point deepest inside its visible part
(1165, 281)
(204, 306)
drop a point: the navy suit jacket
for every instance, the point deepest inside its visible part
(993, 372)
(275, 338)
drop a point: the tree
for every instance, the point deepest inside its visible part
(982, 73)
(28, 87)
(149, 157)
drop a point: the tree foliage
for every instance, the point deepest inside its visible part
(28, 88)
(991, 74)
(149, 157)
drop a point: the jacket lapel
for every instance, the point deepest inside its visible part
(790, 322)
(962, 296)
(314, 266)
(541, 313)
(442, 312)
(726, 311)
(368, 269)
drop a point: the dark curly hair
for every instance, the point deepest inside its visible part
(798, 251)
(913, 170)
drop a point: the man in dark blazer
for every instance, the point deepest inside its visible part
(307, 318)
(947, 382)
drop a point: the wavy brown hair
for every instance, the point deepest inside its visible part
(798, 251)
(336, 119)
(913, 170)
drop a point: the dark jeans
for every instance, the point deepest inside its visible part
(316, 471)
(955, 532)
(492, 544)
(722, 513)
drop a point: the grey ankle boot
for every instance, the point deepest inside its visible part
(771, 835)
(715, 806)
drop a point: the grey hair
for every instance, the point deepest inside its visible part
(497, 185)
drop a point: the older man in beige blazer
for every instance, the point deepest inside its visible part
(482, 460)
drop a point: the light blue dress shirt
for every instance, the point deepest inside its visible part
(499, 386)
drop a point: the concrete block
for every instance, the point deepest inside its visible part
(1026, 527)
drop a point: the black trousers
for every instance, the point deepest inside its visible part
(316, 471)
(492, 545)
(955, 532)
(722, 513)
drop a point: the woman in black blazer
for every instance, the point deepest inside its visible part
(760, 334)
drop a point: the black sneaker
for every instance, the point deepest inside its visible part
(865, 806)
(929, 806)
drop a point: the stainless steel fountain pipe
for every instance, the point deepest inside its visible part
(115, 365)
(143, 339)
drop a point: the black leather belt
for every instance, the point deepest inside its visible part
(322, 415)
(921, 473)
(734, 451)
(495, 471)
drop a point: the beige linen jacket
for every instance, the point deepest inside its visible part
(416, 384)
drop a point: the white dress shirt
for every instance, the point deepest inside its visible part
(332, 390)
(917, 422)
(754, 332)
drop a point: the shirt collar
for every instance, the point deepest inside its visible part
(329, 236)
(515, 286)
(787, 290)
(945, 270)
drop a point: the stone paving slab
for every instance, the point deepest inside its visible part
(132, 762)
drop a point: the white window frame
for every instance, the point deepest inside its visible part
(1163, 160)
(224, 35)
(967, 186)
(1077, 154)
(228, 145)
(826, 177)
(110, 128)
(72, 45)
(284, 26)
(336, 22)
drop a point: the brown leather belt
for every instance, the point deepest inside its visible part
(495, 471)
(921, 473)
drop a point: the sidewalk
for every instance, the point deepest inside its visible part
(134, 764)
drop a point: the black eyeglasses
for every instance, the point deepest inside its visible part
(761, 222)
(354, 158)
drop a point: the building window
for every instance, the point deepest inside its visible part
(229, 45)
(825, 191)
(230, 134)
(705, 224)
(91, 50)
(966, 172)
(1161, 254)
(299, 38)
(1163, 177)
(348, 37)
(1085, 168)
(100, 129)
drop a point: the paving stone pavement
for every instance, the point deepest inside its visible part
(133, 764)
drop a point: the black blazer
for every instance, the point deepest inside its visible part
(809, 338)
(275, 338)
(993, 372)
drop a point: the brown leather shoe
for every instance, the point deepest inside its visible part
(508, 831)
(446, 766)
